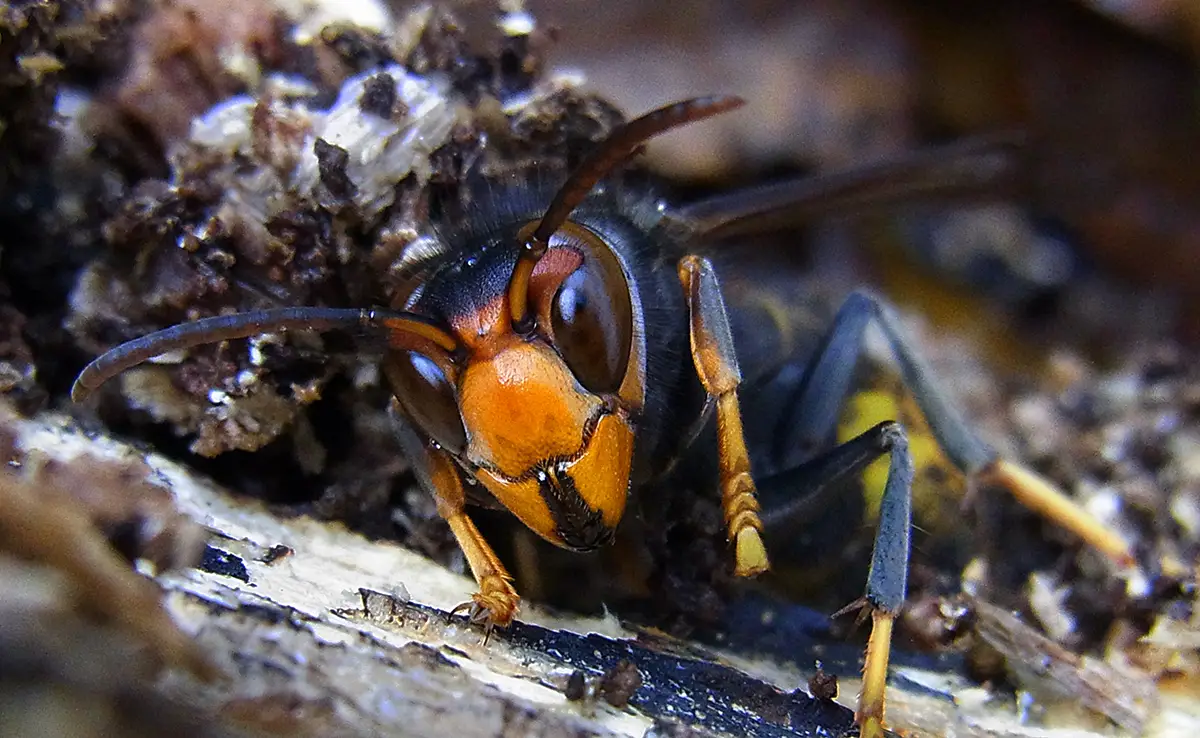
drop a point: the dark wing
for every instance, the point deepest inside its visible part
(986, 166)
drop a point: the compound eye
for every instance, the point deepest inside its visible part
(428, 399)
(592, 324)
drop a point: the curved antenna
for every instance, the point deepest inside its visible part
(615, 149)
(244, 325)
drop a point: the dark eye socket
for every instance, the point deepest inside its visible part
(428, 399)
(592, 324)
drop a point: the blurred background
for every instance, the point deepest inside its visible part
(1081, 287)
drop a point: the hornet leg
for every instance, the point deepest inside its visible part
(821, 394)
(826, 385)
(887, 581)
(496, 602)
(716, 364)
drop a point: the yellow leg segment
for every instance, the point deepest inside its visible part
(496, 602)
(869, 715)
(1042, 497)
(716, 365)
(738, 492)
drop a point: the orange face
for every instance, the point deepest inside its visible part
(549, 451)
(543, 419)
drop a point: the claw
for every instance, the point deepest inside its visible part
(478, 615)
(493, 607)
(468, 605)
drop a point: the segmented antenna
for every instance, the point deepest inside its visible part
(244, 325)
(615, 149)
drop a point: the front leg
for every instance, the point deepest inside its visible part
(496, 602)
(717, 366)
